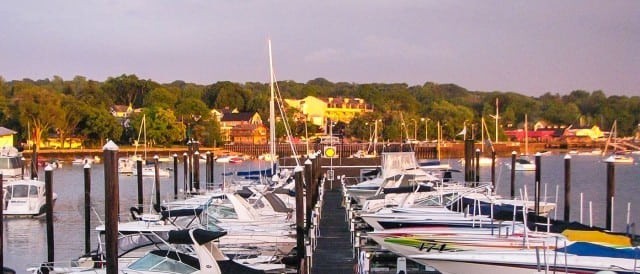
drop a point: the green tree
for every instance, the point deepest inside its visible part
(101, 125)
(40, 108)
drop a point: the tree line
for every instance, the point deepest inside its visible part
(174, 112)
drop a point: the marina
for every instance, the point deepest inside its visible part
(25, 241)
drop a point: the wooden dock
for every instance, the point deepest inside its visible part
(334, 253)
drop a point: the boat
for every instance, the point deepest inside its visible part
(83, 161)
(150, 171)
(11, 163)
(25, 197)
(620, 159)
(524, 164)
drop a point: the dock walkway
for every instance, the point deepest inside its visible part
(333, 253)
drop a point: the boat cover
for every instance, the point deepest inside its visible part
(201, 236)
(591, 249)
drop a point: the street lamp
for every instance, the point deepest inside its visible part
(426, 128)
(415, 129)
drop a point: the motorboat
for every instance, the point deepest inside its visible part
(181, 251)
(150, 171)
(11, 163)
(620, 159)
(25, 197)
(523, 164)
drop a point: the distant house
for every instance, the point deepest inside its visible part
(230, 120)
(6, 137)
(249, 134)
(317, 110)
(121, 111)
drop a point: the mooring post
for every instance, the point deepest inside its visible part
(190, 164)
(196, 171)
(537, 177)
(48, 185)
(309, 191)
(87, 208)
(156, 181)
(493, 170)
(611, 189)
(185, 163)
(513, 174)
(213, 174)
(175, 176)
(477, 165)
(314, 181)
(140, 188)
(299, 213)
(567, 187)
(468, 159)
(34, 163)
(207, 180)
(112, 205)
(22, 168)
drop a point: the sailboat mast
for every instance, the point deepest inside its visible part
(526, 135)
(272, 110)
(497, 117)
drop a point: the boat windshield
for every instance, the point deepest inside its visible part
(222, 212)
(156, 263)
(22, 191)
(11, 162)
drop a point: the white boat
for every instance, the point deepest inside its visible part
(150, 171)
(25, 197)
(620, 159)
(524, 164)
(186, 251)
(11, 163)
(82, 161)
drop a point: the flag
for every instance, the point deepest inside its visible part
(464, 131)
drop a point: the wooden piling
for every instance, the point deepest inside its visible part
(196, 170)
(567, 187)
(611, 190)
(175, 176)
(308, 197)
(185, 163)
(140, 187)
(112, 198)
(513, 175)
(299, 213)
(87, 208)
(213, 174)
(493, 170)
(477, 165)
(48, 185)
(537, 178)
(207, 180)
(22, 168)
(190, 164)
(468, 156)
(156, 181)
(34, 163)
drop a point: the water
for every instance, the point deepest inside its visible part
(25, 242)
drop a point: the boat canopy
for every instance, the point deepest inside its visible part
(200, 235)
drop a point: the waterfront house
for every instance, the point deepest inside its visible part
(338, 109)
(230, 120)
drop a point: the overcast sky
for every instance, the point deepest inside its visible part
(530, 47)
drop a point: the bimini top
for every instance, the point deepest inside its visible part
(200, 235)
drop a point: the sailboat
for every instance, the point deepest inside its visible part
(127, 165)
(616, 158)
(523, 163)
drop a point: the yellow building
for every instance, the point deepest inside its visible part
(6, 137)
(593, 132)
(317, 111)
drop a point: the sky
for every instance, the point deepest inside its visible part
(528, 47)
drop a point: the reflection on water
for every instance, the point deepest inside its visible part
(24, 237)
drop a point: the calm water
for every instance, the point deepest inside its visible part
(25, 241)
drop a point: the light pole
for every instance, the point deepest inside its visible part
(426, 128)
(415, 129)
